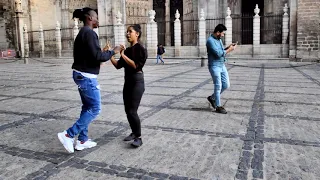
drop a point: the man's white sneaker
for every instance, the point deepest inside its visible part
(88, 144)
(66, 141)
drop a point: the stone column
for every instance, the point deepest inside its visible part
(256, 32)
(202, 34)
(168, 24)
(41, 41)
(152, 34)
(101, 12)
(119, 32)
(293, 29)
(26, 45)
(228, 36)
(285, 31)
(19, 16)
(177, 35)
(66, 33)
(58, 40)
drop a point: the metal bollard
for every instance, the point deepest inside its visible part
(203, 61)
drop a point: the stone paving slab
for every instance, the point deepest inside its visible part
(75, 173)
(182, 80)
(202, 104)
(285, 128)
(58, 94)
(111, 88)
(206, 121)
(43, 138)
(28, 105)
(13, 168)
(10, 118)
(109, 112)
(300, 84)
(4, 82)
(271, 130)
(292, 90)
(292, 110)
(297, 98)
(147, 99)
(1, 97)
(226, 95)
(174, 84)
(19, 91)
(201, 155)
(234, 87)
(50, 85)
(291, 162)
(164, 90)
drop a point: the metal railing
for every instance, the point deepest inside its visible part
(242, 28)
(189, 32)
(106, 34)
(212, 23)
(271, 29)
(33, 37)
(165, 35)
(67, 38)
(49, 39)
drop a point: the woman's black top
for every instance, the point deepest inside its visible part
(136, 53)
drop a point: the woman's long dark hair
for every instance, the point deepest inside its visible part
(82, 13)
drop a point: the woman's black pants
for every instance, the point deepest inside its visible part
(133, 90)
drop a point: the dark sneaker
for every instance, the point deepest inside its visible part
(221, 110)
(137, 142)
(212, 102)
(130, 137)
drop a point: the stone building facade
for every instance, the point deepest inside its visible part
(304, 18)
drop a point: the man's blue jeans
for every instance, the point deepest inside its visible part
(220, 79)
(91, 105)
(159, 57)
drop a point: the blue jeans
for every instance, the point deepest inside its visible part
(220, 79)
(91, 105)
(159, 57)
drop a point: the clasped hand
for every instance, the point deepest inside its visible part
(117, 49)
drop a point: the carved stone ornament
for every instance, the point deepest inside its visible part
(228, 12)
(177, 15)
(202, 15)
(285, 9)
(18, 6)
(257, 10)
(152, 14)
(119, 17)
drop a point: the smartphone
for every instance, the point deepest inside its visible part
(235, 43)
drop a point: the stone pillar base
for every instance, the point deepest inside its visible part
(285, 50)
(177, 52)
(202, 51)
(256, 51)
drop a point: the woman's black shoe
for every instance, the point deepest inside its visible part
(130, 137)
(137, 142)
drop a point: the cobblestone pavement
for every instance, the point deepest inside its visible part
(271, 131)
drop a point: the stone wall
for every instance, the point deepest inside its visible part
(7, 25)
(308, 29)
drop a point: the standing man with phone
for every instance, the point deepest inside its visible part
(216, 64)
